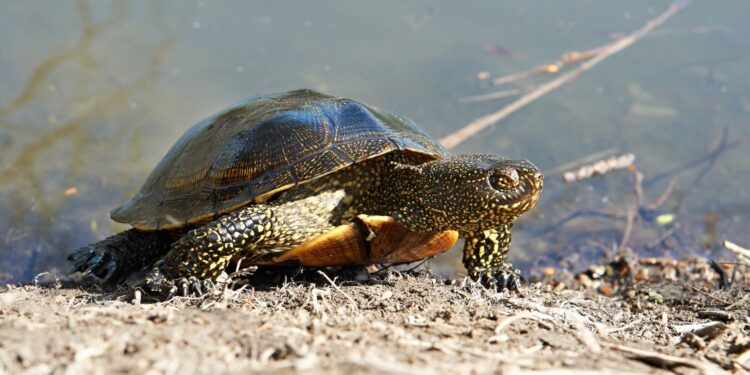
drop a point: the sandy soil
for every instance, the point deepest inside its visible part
(394, 322)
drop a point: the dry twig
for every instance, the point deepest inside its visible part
(585, 160)
(707, 295)
(577, 321)
(633, 211)
(493, 95)
(600, 167)
(351, 300)
(625, 327)
(535, 316)
(666, 361)
(573, 57)
(737, 249)
(551, 68)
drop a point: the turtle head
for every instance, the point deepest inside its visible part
(468, 193)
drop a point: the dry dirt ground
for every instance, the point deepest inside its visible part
(400, 323)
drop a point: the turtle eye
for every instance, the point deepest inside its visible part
(504, 178)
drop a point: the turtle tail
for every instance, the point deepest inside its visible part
(113, 259)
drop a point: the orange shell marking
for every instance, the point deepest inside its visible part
(368, 240)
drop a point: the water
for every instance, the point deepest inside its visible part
(92, 94)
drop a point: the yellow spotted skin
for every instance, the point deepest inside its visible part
(478, 195)
(485, 256)
(253, 231)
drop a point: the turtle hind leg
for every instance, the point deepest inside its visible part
(115, 258)
(203, 253)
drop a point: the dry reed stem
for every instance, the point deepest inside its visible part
(737, 249)
(667, 361)
(348, 297)
(599, 167)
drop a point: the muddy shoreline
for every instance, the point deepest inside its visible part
(391, 323)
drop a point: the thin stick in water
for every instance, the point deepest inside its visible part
(599, 167)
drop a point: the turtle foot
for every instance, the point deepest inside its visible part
(99, 262)
(505, 277)
(160, 286)
(114, 258)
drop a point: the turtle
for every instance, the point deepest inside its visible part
(279, 178)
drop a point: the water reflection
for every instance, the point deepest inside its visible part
(42, 176)
(94, 93)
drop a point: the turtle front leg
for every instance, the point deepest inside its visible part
(201, 255)
(485, 255)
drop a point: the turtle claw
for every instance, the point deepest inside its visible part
(96, 262)
(190, 286)
(171, 293)
(510, 280)
(157, 284)
(195, 285)
(505, 277)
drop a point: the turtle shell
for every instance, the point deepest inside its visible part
(262, 146)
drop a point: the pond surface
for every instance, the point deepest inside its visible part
(92, 94)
